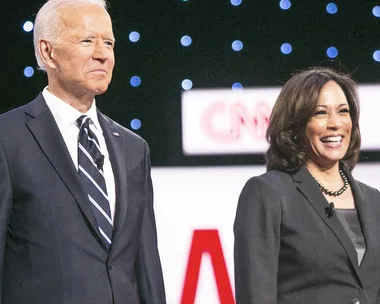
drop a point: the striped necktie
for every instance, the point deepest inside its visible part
(90, 169)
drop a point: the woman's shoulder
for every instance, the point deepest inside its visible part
(367, 189)
(272, 179)
(274, 176)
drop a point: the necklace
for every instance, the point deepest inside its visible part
(335, 193)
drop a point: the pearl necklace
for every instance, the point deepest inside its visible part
(335, 193)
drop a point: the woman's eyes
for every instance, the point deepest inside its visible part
(344, 111)
(323, 112)
(320, 112)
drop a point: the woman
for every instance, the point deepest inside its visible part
(306, 231)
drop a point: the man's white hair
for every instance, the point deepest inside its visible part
(46, 25)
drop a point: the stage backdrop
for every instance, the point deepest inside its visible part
(230, 122)
(195, 210)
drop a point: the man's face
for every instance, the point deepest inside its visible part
(83, 56)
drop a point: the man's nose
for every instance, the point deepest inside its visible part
(100, 51)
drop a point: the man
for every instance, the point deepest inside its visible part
(76, 204)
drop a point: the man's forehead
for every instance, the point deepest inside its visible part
(83, 14)
(86, 17)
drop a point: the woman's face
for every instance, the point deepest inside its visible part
(328, 131)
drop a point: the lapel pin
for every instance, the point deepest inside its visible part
(116, 134)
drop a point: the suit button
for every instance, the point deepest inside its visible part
(112, 266)
(355, 301)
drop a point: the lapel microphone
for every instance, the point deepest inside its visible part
(100, 162)
(330, 210)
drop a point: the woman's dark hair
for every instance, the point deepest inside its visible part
(293, 109)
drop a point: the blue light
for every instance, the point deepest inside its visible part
(285, 4)
(28, 71)
(237, 86)
(134, 36)
(286, 48)
(237, 45)
(187, 84)
(186, 40)
(332, 52)
(376, 55)
(135, 81)
(135, 124)
(28, 26)
(376, 11)
(331, 8)
(236, 2)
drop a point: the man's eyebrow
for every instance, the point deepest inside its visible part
(94, 37)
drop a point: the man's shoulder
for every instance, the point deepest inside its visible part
(12, 116)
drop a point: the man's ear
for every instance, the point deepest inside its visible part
(46, 52)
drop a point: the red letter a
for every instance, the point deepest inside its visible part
(206, 241)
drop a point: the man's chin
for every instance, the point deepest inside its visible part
(100, 90)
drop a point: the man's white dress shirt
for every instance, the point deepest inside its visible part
(66, 116)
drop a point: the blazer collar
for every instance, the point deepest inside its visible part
(117, 150)
(369, 223)
(310, 190)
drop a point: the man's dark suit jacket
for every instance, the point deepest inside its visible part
(51, 251)
(287, 251)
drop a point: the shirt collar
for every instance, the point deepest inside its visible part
(64, 114)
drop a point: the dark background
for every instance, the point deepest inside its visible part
(162, 62)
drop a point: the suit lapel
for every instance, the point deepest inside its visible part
(368, 222)
(309, 188)
(117, 150)
(46, 133)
